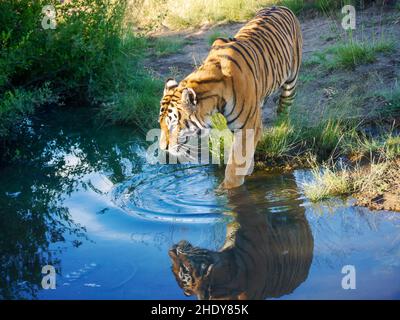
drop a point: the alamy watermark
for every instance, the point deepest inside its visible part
(349, 20)
(49, 278)
(49, 18)
(349, 280)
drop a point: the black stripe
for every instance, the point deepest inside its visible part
(252, 113)
(234, 99)
(222, 39)
(207, 81)
(250, 45)
(289, 20)
(283, 29)
(258, 45)
(207, 97)
(261, 67)
(242, 45)
(273, 34)
(271, 57)
(237, 116)
(247, 63)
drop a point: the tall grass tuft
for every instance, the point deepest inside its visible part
(278, 141)
(349, 54)
(326, 183)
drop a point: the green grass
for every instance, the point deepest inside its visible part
(326, 183)
(182, 14)
(307, 77)
(91, 58)
(348, 55)
(164, 46)
(392, 147)
(278, 141)
(291, 139)
(194, 13)
(392, 97)
(295, 5)
(138, 106)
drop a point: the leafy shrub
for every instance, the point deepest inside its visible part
(88, 59)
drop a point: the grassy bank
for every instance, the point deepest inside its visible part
(374, 184)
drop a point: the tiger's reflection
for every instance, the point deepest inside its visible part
(267, 252)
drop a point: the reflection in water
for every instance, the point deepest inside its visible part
(32, 218)
(267, 253)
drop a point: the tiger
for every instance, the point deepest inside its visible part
(234, 80)
(265, 254)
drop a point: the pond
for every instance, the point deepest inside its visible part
(84, 200)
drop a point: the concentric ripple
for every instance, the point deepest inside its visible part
(179, 193)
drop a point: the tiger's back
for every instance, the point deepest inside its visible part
(264, 55)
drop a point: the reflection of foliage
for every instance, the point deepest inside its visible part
(30, 221)
(32, 216)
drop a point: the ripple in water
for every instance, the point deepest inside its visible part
(179, 193)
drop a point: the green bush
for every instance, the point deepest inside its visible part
(72, 56)
(90, 58)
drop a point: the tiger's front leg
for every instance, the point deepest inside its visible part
(241, 158)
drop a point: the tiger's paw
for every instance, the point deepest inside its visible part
(231, 184)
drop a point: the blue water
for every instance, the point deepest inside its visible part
(83, 199)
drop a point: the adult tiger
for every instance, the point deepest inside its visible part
(235, 78)
(266, 253)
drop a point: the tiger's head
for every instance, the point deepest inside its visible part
(177, 104)
(191, 267)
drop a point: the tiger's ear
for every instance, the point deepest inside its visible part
(189, 100)
(170, 84)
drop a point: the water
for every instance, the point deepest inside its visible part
(84, 200)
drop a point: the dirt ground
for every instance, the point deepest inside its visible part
(388, 196)
(322, 92)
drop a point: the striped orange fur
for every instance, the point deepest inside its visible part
(235, 78)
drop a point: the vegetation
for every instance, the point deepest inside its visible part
(182, 14)
(351, 53)
(163, 46)
(328, 183)
(392, 100)
(375, 178)
(90, 58)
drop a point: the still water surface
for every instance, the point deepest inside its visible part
(84, 199)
